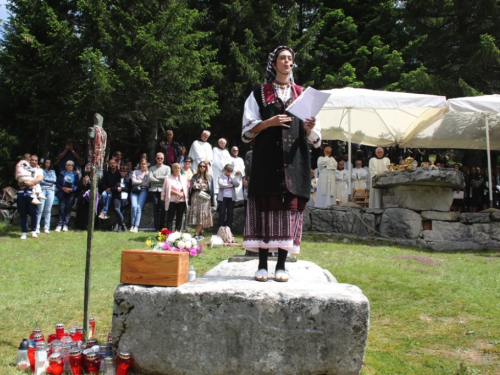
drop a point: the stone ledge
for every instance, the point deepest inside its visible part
(441, 216)
(235, 325)
(472, 217)
(422, 176)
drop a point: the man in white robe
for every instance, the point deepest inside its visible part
(221, 157)
(359, 176)
(325, 193)
(202, 151)
(238, 172)
(341, 183)
(378, 164)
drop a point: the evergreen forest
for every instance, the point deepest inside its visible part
(149, 65)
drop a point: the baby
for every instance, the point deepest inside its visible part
(25, 172)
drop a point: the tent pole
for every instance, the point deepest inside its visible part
(487, 125)
(350, 153)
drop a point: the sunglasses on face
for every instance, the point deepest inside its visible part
(203, 166)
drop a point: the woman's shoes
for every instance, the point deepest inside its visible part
(281, 276)
(261, 275)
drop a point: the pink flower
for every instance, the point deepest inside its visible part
(199, 248)
(167, 247)
(192, 252)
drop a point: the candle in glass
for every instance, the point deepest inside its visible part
(123, 363)
(75, 361)
(56, 364)
(92, 363)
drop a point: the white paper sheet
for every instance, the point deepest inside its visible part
(308, 104)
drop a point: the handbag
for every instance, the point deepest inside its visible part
(136, 189)
(204, 195)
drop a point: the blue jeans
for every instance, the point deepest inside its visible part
(65, 205)
(120, 205)
(226, 205)
(138, 201)
(25, 207)
(106, 198)
(45, 210)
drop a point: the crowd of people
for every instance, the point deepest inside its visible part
(183, 187)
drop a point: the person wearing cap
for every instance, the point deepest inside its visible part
(67, 185)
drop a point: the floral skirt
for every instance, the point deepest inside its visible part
(199, 211)
(272, 229)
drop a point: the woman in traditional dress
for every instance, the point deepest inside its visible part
(280, 181)
(325, 193)
(378, 164)
(202, 198)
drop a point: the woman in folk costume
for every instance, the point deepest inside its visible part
(341, 183)
(280, 181)
(325, 193)
(378, 164)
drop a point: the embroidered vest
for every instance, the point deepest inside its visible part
(281, 160)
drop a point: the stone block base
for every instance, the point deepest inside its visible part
(235, 325)
(419, 198)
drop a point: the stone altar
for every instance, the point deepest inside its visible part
(227, 323)
(419, 189)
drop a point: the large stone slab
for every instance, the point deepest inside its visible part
(419, 198)
(474, 217)
(441, 216)
(447, 231)
(423, 176)
(235, 325)
(402, 223)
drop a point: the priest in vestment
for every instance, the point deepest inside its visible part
(378, 164)
(325, 193)
(359, 176)
(221, 157)
(341, 183)
(202, 151)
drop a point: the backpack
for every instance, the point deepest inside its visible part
(225, 234)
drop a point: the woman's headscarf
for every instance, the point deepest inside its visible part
(270, 70)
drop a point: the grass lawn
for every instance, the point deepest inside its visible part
(431, 313)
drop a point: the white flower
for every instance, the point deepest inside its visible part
(193, 242)
(186, 236)
(187, 244)
(181, 245)
(172, 237)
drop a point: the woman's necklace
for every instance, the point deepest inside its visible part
(282, 91)
(281, 85)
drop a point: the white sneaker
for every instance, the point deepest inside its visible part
(34, 235)
(261, 275)
(36, 202)
(65, 228)
(46, 230)
(132, 229)
(23, 236)
(38, 231)
(58, 228)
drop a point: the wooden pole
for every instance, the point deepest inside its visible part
(90, 224)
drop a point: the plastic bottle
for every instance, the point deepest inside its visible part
(109, 366)
(191, 273)
(41, 360)
(23, 362)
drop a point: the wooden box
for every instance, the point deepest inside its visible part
(157, 268)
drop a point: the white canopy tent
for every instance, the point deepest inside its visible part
(377, 118)
(472, 123)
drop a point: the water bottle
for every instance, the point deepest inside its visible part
(23, 362)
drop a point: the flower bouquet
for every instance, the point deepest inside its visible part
(175, 241)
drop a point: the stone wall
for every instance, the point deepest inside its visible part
(433, 229)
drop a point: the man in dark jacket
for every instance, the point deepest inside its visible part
(108, 182)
